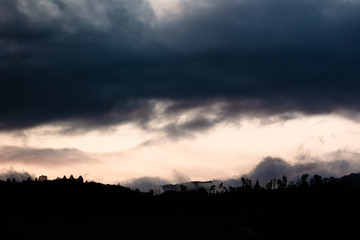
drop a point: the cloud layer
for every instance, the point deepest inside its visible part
(43, 156)
(91, 64)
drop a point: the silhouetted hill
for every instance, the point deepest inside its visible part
(70, 208)
(353, 179)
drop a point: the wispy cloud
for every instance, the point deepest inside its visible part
(44, 156)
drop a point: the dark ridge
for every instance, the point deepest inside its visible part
(69, 208)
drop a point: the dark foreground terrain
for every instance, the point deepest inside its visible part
(71, 209)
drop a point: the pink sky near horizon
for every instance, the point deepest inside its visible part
(127, 152)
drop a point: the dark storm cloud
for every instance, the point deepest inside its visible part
(92, 63)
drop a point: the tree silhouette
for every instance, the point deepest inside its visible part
(71, 178)
(42, 178)
(183, 188)
(303, 181)
(222, 188)
(271, 184)
(257, 185)
(316, 181)
(212, 189)
(246, 183)
(282, 183)
(80, 179)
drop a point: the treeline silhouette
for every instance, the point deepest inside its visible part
(71, 208)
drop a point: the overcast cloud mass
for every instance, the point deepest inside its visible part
(89, 64)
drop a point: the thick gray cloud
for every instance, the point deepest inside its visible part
(92, 63)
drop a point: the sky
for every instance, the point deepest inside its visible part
(179, 90)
